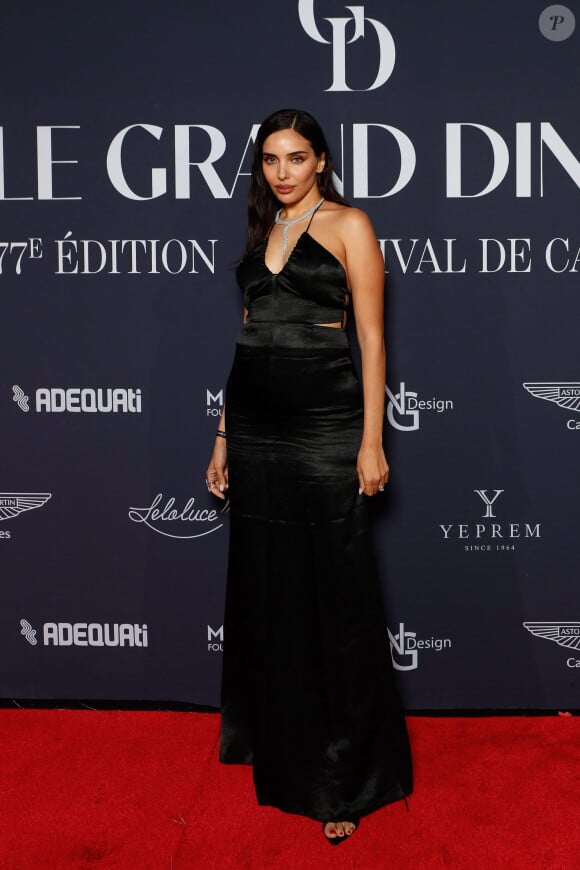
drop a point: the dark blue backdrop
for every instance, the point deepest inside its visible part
(123, 179)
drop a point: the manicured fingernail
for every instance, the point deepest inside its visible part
(360, 490)
(221, 487)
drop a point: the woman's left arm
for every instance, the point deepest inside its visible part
(366, 271)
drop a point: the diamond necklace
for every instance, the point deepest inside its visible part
(286, 224)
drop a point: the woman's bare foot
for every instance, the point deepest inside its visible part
(338, 830)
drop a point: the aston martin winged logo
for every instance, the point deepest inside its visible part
(566, 394)
(563, 633)
(14, 503)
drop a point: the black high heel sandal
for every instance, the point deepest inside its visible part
(335, 841)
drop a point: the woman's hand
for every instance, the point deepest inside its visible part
(372, 469)
(217, 470)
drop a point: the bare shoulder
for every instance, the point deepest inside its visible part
(346, 220)
(348, 234)
(357, 221)
(358, 237)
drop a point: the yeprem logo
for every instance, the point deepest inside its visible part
(566, 394)
(488, 502)
(566, 634)
(406, 404)
(20, 399)
(487, 536)
(28, 632)
(14, 503)
(164, 518)
(339, 42)
(405, 647)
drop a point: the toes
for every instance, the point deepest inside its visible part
(332, 830)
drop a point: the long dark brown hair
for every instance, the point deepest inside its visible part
(262, 204)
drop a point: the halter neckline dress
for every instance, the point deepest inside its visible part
(308, 695)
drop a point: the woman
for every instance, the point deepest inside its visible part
(307, 691)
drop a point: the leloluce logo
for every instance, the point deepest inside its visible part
(80, 400)
(166, 517)
(565, 634)
(405, 646)
(490, 535)
(405, 406)
(565, 394)
(108, 634)
(356, 24)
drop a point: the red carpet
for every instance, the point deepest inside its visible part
(145, 791)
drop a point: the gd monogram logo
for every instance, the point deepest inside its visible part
(339, 43)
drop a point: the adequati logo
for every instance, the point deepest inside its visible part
(164, 518)
(80, 400)
(488, 536)
(565, 634)
(566, 394)
(28, 632)
(405, 646)
(339, 42)
(20, 399)
(406, 406)
(215, 639)
(87, 634)
(214, 403)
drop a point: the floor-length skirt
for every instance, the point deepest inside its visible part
(308, 696)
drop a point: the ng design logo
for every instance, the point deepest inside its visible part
(404, 407)
(405, 646)
(339, 42)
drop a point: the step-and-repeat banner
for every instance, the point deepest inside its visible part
(125, 142)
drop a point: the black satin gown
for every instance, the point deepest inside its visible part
(308, 696)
